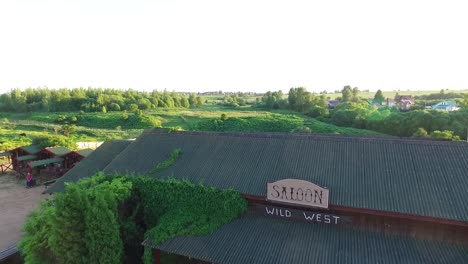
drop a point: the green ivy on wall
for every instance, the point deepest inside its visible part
(84, 224)
(173, 208)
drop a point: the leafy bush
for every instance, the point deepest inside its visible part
(69, 228)
(113, 107)
(446, 134)
(267, 123)
(132, 107)
(124, 120)
(53, 141)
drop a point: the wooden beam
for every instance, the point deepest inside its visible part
(156, 256)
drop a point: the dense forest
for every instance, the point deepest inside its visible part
(92, 100)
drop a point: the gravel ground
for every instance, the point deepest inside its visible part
(16, 201)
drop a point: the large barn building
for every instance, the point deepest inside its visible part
(312, 198)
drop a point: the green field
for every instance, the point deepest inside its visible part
(114, 125)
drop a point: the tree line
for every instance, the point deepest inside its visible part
(357, 112)
(92, 100)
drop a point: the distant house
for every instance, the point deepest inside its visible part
(404, 102)
(446, 106)
(333, 103)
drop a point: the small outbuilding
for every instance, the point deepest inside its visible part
(21, 155)
(48, 163)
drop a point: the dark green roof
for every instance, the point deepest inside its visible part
(85, 152)
(5, 154)
(261, 240)
(44, 162)
(419, 177)
(31, 149)
(95, 162)
(58, 151)
(27, 157)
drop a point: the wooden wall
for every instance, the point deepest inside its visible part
(424, 228)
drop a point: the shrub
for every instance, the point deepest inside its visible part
(267, 123)
(113, 107)
(132, 107)
(60, 119)
(54, 140)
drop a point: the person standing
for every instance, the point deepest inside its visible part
(29, 180)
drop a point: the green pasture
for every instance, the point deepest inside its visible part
(91, 127)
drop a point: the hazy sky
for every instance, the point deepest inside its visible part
(234, 45)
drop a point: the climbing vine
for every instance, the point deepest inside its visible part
(167, 163)
(173, 208)
(69, 228)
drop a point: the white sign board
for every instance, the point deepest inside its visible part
(298, 192)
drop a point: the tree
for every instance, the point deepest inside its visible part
(379, 97)
(355, 94)
(113, 107)
(346, 94)
(67, 130)
(464, 102)
(184, 102)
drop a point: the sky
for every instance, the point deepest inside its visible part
(254, 45)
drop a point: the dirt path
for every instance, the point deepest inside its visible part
(15, 203)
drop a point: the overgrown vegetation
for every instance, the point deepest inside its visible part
(264, 123)
(101, 219)
(168, 162)
(54, 141)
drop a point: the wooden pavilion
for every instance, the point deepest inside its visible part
(49, 163)
(21, 155)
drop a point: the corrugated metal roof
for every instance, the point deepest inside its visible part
(257, 239)
(7, 252)
(59, 151)
(426, 178)
(44, 162)
(85, 152)
(31, 149)
(94, 163)
(27, 157)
